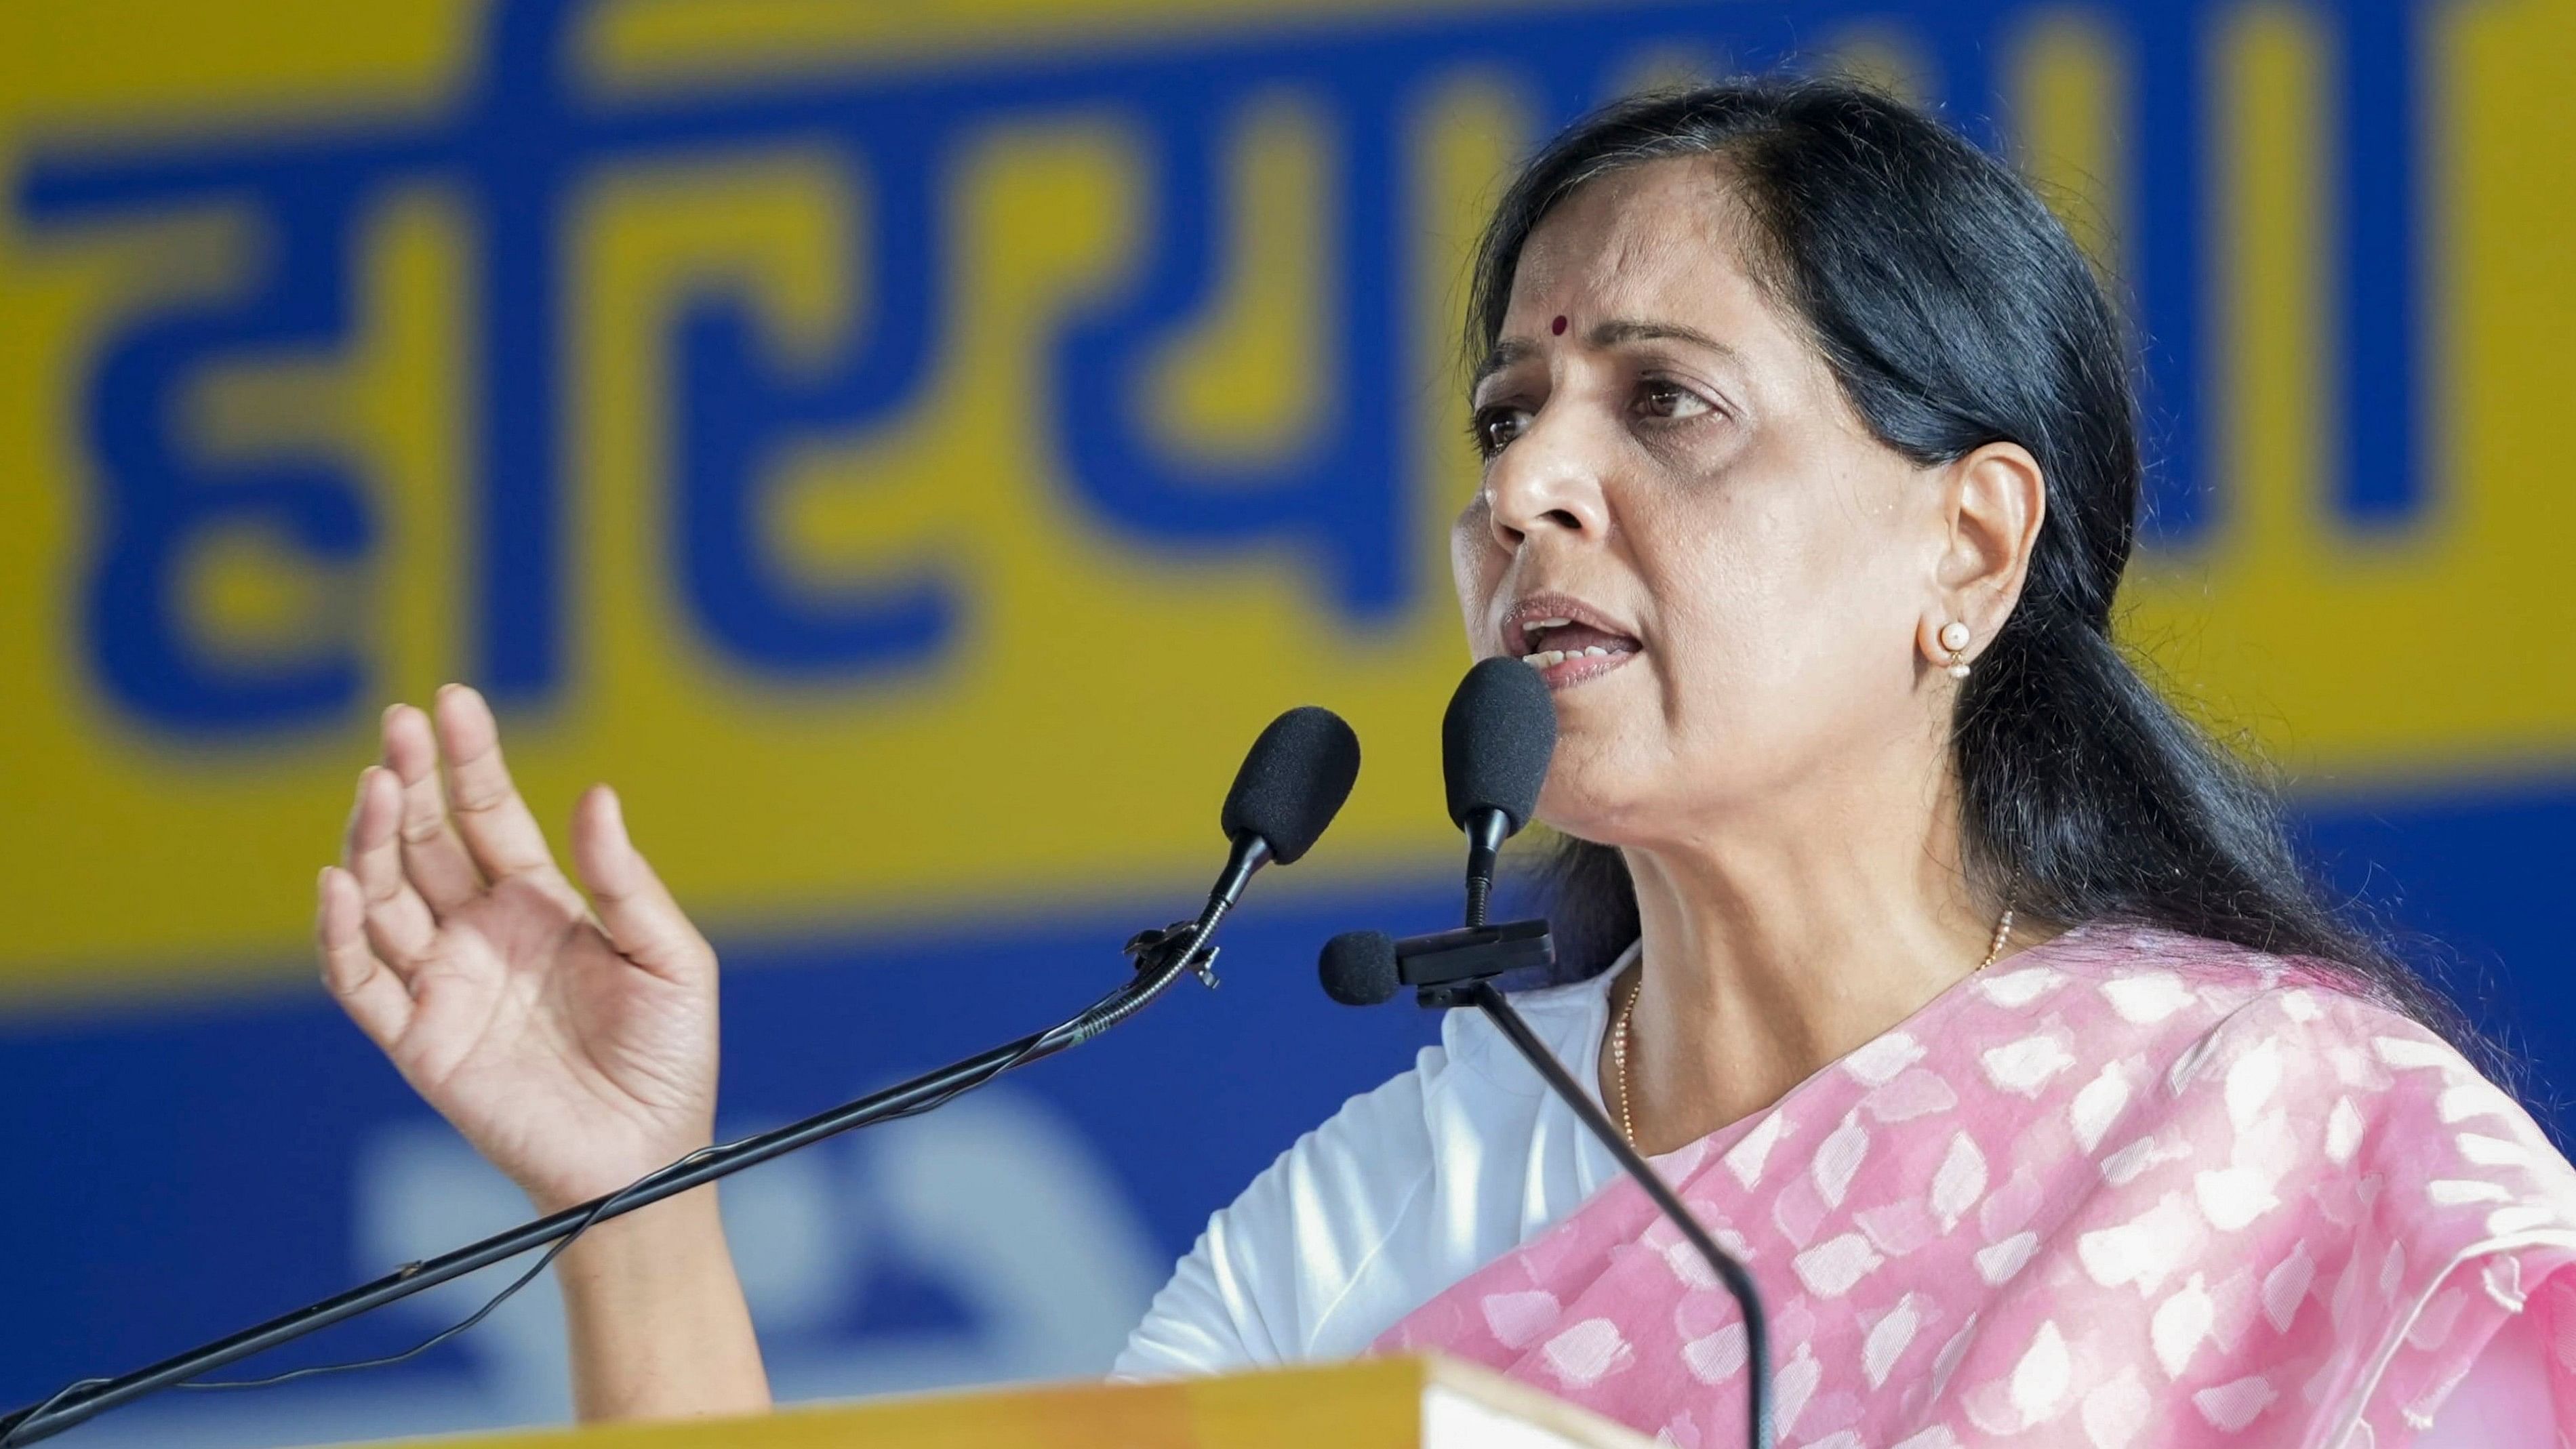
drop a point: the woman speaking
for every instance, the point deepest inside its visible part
(1960, 987)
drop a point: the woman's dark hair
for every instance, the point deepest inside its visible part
(1955, 311)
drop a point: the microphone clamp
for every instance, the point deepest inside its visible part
(1442, 965)
(1184, 945)
(1152, 950)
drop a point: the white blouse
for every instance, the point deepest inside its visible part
(1412, 1186)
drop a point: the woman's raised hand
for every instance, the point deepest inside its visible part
(572, 1042)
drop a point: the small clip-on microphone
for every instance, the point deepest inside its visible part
(1292, 783)
(1495, 742)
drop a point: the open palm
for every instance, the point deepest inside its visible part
(573, 1042)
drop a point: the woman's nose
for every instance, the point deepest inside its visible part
(1546, 480)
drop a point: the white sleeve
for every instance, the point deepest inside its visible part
(2504, 1403)
(1270, 1269)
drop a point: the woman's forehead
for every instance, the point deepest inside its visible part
(1657, 239)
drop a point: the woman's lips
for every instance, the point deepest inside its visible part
(1566, 640)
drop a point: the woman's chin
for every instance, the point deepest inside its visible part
(1580, 808)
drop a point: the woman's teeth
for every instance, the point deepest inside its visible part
(1546, 657)
(1574, 642)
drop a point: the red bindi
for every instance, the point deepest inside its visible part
(1557, 327)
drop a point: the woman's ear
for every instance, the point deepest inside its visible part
(1993, 503)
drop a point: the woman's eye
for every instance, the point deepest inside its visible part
(1669, 400)
(1493, 427)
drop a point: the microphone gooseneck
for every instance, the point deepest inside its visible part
(1292, 783)
(1487, 828)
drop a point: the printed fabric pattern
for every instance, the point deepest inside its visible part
(2127, 1189)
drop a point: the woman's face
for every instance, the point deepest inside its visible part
(1672, 468)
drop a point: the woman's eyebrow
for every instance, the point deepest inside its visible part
(1506, 352)
(1608, 333)
(1613, 331)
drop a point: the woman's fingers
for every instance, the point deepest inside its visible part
(637, 912)
(394, 917)
(371, 993)
(494, 822)
(432, 853)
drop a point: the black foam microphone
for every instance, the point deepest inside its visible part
(1359, 968)
(1495, 743)
(1292, 783)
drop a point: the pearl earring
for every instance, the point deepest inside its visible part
(1954, 637)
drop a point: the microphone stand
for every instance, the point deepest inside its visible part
(1739, 1283)
(1457, 968)
(1496, 742)
(1161, 956)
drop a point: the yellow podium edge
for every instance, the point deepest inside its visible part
(1363, 1404)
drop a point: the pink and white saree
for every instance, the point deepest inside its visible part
(2125, 1189)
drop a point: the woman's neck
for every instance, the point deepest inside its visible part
(1768, 957)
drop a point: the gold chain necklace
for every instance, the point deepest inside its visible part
(1628, 1007)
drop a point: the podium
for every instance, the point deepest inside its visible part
(1389, 1403)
